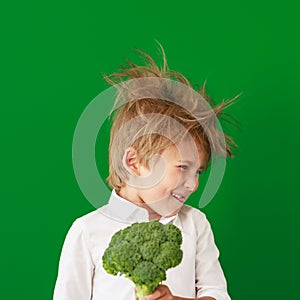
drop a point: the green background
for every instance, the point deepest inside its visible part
(53, 55)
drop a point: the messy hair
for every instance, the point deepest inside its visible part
(152, 112)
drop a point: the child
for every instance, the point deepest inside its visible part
(163, 136)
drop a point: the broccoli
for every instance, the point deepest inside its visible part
(143, 252)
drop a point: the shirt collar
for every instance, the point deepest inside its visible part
(121, 209)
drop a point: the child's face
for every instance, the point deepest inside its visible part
(181, 178)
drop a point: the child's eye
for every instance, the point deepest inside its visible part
(184, 167)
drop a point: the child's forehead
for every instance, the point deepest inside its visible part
(184, 151)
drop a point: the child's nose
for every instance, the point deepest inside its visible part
(191, 183)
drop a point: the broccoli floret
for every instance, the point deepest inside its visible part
(169, 256)
(143, 252)
(147, 276)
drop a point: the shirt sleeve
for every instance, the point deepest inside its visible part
(210, 279)
(76, 268)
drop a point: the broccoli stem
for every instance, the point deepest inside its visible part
(142, 290)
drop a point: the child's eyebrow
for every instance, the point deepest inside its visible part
(190, 162)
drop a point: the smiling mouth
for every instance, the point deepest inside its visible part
(179, 197)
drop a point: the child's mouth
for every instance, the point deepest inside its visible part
(178, 197)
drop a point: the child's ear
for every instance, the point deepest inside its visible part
(130, 161)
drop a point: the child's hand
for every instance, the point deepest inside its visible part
(161, 293)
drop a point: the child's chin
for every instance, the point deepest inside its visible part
(166, 211)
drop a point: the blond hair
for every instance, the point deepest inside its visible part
(145, 110)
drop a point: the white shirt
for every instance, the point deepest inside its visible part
(82, 277)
